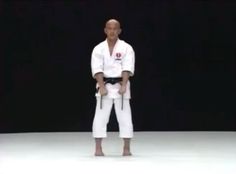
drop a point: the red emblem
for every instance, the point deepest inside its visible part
(118, 55)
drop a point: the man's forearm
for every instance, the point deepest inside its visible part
(125, 77)
(99, 78)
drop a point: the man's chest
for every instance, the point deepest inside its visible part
(113, 54)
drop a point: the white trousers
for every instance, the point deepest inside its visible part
(123, 116)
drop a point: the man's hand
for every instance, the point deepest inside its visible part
(125, 78)
(122, 89)
(103, 90)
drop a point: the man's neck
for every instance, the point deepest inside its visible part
(112, 42)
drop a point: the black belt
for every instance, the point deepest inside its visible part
(112, 80)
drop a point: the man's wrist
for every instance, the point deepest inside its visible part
(123, 83)
(102, 86)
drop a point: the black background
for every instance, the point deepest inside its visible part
(185, 67)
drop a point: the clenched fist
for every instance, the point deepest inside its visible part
(103, 91)
(122, 89)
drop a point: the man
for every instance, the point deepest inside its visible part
(112, 64)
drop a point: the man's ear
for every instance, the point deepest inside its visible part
(105, 31)
(119, 31)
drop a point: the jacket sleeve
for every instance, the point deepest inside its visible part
(128, 62)
(96, 62)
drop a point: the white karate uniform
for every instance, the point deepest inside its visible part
(122, 59)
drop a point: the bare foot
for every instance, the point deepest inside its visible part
(127, 152)
(99, 152)
(98, 147)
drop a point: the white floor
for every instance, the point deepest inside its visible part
(153, 152)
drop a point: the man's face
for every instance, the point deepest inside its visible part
(112, 30)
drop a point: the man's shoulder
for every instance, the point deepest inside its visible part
(126, 44)
(101, 44)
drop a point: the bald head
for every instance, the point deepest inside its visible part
(112, 30)
(114, 22)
